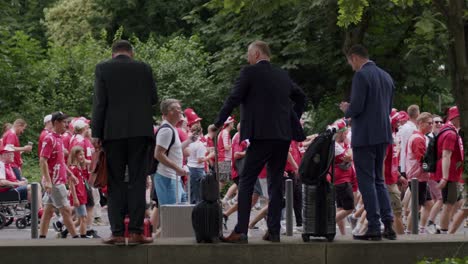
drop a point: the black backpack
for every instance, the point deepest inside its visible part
(153, 163)
(318, 159)
(429, 162)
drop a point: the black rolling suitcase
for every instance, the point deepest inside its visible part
(207, 215)
(318, 199)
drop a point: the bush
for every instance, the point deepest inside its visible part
(445, 261)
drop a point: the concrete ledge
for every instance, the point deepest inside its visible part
(408, 249)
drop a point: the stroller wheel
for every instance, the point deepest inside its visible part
(21, 223)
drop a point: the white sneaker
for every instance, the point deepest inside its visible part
(431, 229)
(422, 230)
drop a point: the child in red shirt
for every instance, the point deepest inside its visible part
(78, 195)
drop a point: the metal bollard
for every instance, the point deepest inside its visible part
(414, 206)
(289, 207)
(34, 210)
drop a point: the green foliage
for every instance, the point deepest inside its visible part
(350, 11)
(445, 261)
(70, 21)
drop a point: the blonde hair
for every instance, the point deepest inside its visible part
(423, 117)
(73, 156)
(413, 111)
(19, 122)
(262, 46)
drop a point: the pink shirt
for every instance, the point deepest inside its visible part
(52, 149)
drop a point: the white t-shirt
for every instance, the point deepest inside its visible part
(163, 139)
(197, 150)
(403, 135)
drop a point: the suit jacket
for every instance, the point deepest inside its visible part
(370, 106)
(271, 104)
(124, 93)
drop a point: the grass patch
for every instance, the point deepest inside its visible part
(31, 170)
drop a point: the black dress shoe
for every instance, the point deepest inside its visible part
(271, 237)
(235, 238)
(369, 236)
(389, 233)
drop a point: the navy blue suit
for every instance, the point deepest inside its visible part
(271, 105)
(369, 109)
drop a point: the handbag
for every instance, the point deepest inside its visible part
(98, 177)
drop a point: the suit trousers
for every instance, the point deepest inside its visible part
(273, 153)
(368, 162)
(126, 194)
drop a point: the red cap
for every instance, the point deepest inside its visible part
(453, 113)
(403, 116)
(340, 124)
(229, 121)
(394, 116)
(191, 116)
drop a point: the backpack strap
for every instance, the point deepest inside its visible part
(172, 139)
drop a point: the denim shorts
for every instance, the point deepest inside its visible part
(165, 189)
(80, 210)
(196, 175)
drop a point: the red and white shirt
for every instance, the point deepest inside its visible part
(415, 150)
(237, 146)
(52, 149)
(5, 168)
(41, 139)
(449, 140)
(85, 143)
(224, 139)
(10, 138)
(344, 171)
(80, 188)
(392, 161)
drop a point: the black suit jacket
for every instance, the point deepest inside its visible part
(271, 104)
(124, 93)
(371, 104)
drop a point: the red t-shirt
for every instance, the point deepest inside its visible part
(10, 138)
(415, 150)
(237, 146)
(9, 176)
(449, 140)
(85, 143)
(41, 139)
(224, 139)
(343, 170)
(392, 161)
(52, 149)
(66, 137)
(80, 187)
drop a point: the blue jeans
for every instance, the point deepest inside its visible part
(165, 190)
(369, 172)
(196, 175)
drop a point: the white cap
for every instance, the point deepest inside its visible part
(79, 124)
(47, 118)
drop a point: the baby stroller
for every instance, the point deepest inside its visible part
(13, 209)
(318, 199)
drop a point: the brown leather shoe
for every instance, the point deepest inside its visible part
(136, 239)
(235, 238)
(114, 240)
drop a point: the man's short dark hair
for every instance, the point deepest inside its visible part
(121, 45)
(359, 50)
(58, 116)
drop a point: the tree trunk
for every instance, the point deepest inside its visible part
(458, 60)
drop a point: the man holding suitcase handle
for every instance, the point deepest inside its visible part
(269, 121)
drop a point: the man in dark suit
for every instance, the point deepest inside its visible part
(370, 107)
(265, 95)
(124, 93)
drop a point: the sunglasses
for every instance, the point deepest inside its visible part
(438, 122)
